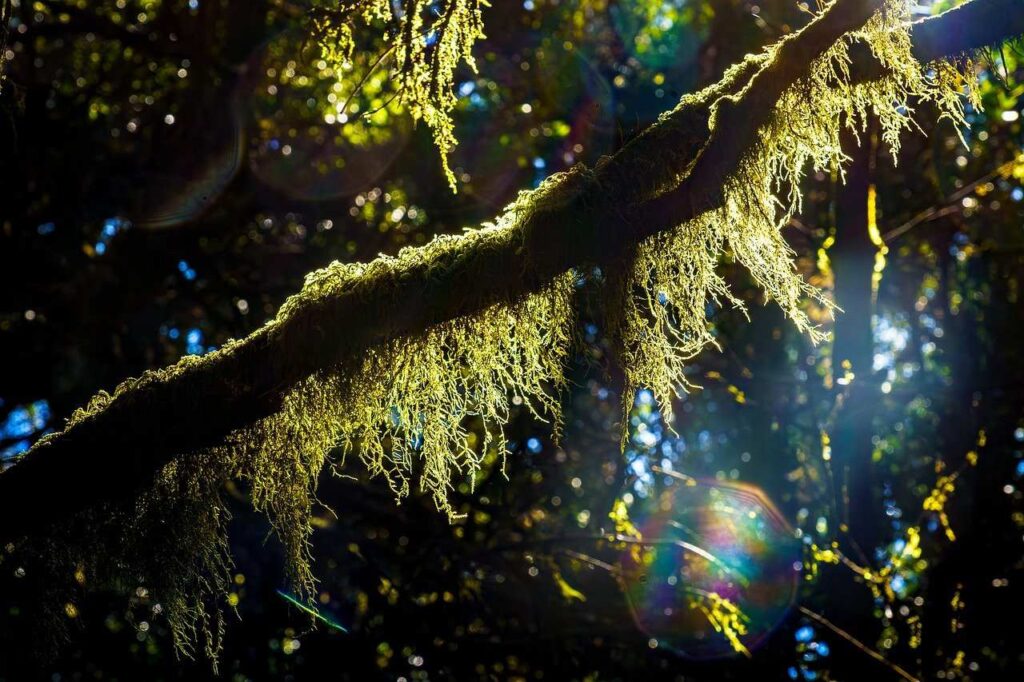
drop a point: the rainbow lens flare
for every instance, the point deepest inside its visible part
(715, 570)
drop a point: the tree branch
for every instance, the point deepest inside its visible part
(970, 26)
(117, 451)
(959, 31)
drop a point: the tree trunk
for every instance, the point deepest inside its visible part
(853, 263)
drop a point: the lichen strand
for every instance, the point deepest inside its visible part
(465, 367)
(167, 549)
(660, 316)
(429, 40)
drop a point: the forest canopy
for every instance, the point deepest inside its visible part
(600, 267)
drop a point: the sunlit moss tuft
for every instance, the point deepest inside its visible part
(402, 407)
(661, 315)
(429, 41)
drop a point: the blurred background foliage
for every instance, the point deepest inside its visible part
(172, 168)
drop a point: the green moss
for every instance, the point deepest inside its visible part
(659, 313)
(425, 72)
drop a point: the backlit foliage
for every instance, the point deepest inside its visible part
(898, 577)
(725, 617)
(429, 41)
(403, 407)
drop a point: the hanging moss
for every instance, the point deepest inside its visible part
(429, 43)
(402, 406)
(660, 313)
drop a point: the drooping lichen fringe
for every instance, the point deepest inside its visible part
(430, 42)
(402, 406)
(660, 315)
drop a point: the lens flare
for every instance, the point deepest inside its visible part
(197, 176)
(564, 102)
(715, 570)
(319, 615)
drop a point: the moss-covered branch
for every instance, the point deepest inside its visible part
(198, 404)
(394, 353)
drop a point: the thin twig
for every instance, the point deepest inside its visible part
(948, 208)
(857, 643)
(362, 82)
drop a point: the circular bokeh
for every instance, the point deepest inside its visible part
(715, 571)
(196, 179)
(658, 34)
(320, 130)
